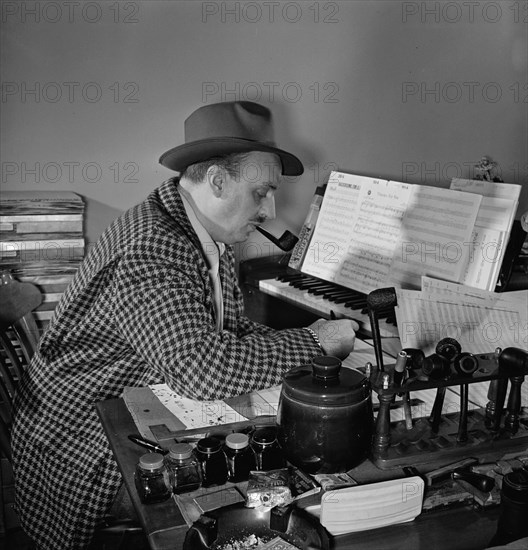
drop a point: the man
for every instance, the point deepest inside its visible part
(156, 300)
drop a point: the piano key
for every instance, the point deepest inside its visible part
(356, 305)
(305, 285)
(333, 295)
(287, 277)
(323, 290)
(340, 300)
(357, 301)
(320, 306)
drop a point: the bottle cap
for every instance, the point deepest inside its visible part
(209, 445)
(237, 441)
(180, 451)
(151, 461)
(265, 436)
(515, 486)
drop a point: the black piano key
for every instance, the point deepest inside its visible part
(302, 285)
(356, 300)
(342, 299)
(323, 290)
(286, 278)
(334, 294)
(316, 289)
(296, 282)
(356, 305)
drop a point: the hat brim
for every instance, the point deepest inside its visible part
(182, 156)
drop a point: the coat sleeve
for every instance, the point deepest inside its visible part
(163, 309)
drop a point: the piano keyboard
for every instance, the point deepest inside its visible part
(321, 297)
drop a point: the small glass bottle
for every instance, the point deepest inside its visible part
(184, 468)
(212, 461)
(268, 453)
(152, 479)
(240, 457)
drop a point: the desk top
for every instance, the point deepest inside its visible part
(463, 528)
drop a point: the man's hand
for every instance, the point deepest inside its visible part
(337, 337)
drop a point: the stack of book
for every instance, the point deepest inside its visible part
(42, 242)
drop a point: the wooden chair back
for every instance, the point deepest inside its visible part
(19, 337)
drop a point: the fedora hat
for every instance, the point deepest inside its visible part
(225, 128)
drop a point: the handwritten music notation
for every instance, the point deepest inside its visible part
(385, 227)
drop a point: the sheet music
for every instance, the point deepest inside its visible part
(485, 188)
(436, 229)
(492, 228)
(480, 325)
(373, 233)
(376, 235)
(468, 293)
(335, 225)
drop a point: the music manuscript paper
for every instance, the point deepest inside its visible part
(373, 233)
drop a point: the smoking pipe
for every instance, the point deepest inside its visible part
(286, 242)
(481, 482)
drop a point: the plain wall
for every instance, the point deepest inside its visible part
(93, 93)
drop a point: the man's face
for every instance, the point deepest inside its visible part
(248, 199)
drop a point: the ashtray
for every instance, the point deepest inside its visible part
(226, 526)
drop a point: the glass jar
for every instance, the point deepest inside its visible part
(152, 479)
(512, 524)
(268, 454)
(213, 462)
(184, 468)
(240, 457)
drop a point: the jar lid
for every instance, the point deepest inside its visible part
(151, 461)
(325, 383)
(237, 441)
(180, 451)
(209, 445)
(265, 436)
(515, 485)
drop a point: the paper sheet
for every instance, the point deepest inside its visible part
(492, 229)
(480, 324)
(194, 413)
(373, 233)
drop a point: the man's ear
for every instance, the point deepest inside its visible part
(216, 179)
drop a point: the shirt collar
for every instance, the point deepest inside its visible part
(212, 250)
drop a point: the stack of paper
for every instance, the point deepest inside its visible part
(479, 320)
(371, 506)
(492, 229)
(41, 241)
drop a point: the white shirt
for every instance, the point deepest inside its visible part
(212, 252)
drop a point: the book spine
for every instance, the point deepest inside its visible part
(16, 218)
(8, 229)
(17, 246)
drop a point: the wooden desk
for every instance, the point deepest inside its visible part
(462, 528)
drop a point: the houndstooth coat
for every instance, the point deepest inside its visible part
(139, 311)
